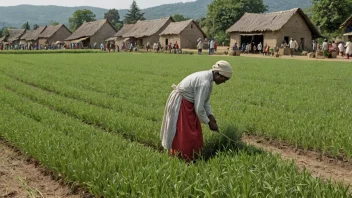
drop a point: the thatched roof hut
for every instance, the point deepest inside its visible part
(185, 33)
(33, 35)
(346, 28)
(92, 33)
(275, 27)
(15, 35)
(147, 31)
(53, 34)
(118, 36)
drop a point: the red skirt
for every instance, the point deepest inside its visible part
(188, 141)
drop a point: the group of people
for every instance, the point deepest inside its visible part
(341, 48)
(212, 46)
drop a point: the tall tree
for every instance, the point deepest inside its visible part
(26, 26)
(113, 16)
(35, 26)
(222, 14)
(328, 15)
(134, 14)
(179, 17)
(79, 17)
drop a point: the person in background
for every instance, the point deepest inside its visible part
(325, 47)
(200, 46)
(260, 48)
(148, 46)
(235, 47)
(215, 46)
(292, 47)
(211, 47)
(187, 107)
(107, 46)
(348, 49)
(341, 49)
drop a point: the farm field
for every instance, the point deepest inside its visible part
(95, 118)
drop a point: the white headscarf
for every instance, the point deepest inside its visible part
(224, 68)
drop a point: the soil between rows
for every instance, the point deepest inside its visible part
(319, 166)
(21, 177)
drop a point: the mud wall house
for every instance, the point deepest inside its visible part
(14, 36)
(118, 36)
(346, 29)
(53, 34)
(32, 36)
(185, 33)
(147, 31)
(274, 28)
(92, 33)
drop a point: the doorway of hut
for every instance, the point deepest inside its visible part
(250, 38)
(166, 42)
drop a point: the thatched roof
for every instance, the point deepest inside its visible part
(51, 30)
(15, 34)
(252, 22)
(2, 39)
(346, 23)
(178, 27)
(88, 29)
(32, 35)
(146, 28)
(126, 28)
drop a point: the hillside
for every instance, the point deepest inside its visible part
(17, 15)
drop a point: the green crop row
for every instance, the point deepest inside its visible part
(110, 166)
(299, 102)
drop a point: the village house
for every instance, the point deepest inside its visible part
(147, 31)
(185, 33)
(14, 36)
(92, 34)
(274, 29)
(346, 28)
(32, 36)
(52, 34)
(118, 36)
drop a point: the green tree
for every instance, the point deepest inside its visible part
(54, 23)
(79, 17)
(113, 16)
(4, 31)
(133, 14)
(35, 26)
(118, 26)
(26, 26)
(179, 17)
(222, 14)
(328, 15)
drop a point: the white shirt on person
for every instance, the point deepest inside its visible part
(195, 88)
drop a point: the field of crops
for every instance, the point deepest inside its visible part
(95, 118)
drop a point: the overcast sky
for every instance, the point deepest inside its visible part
(118, 4)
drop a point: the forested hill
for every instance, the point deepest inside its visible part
(42, 15)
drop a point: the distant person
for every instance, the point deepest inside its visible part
(200, 46)
(292, 47)
(235, 47)
(348, 49)
(260, 47)
(341, 49)
(148, 46)
(325, 47)
(211, 47)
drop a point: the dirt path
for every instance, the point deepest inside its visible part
(318, 165)
(19, 178)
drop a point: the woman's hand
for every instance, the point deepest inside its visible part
(213, 126)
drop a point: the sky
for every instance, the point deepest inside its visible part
(109, 4)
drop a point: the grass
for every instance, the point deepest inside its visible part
(96, 120)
